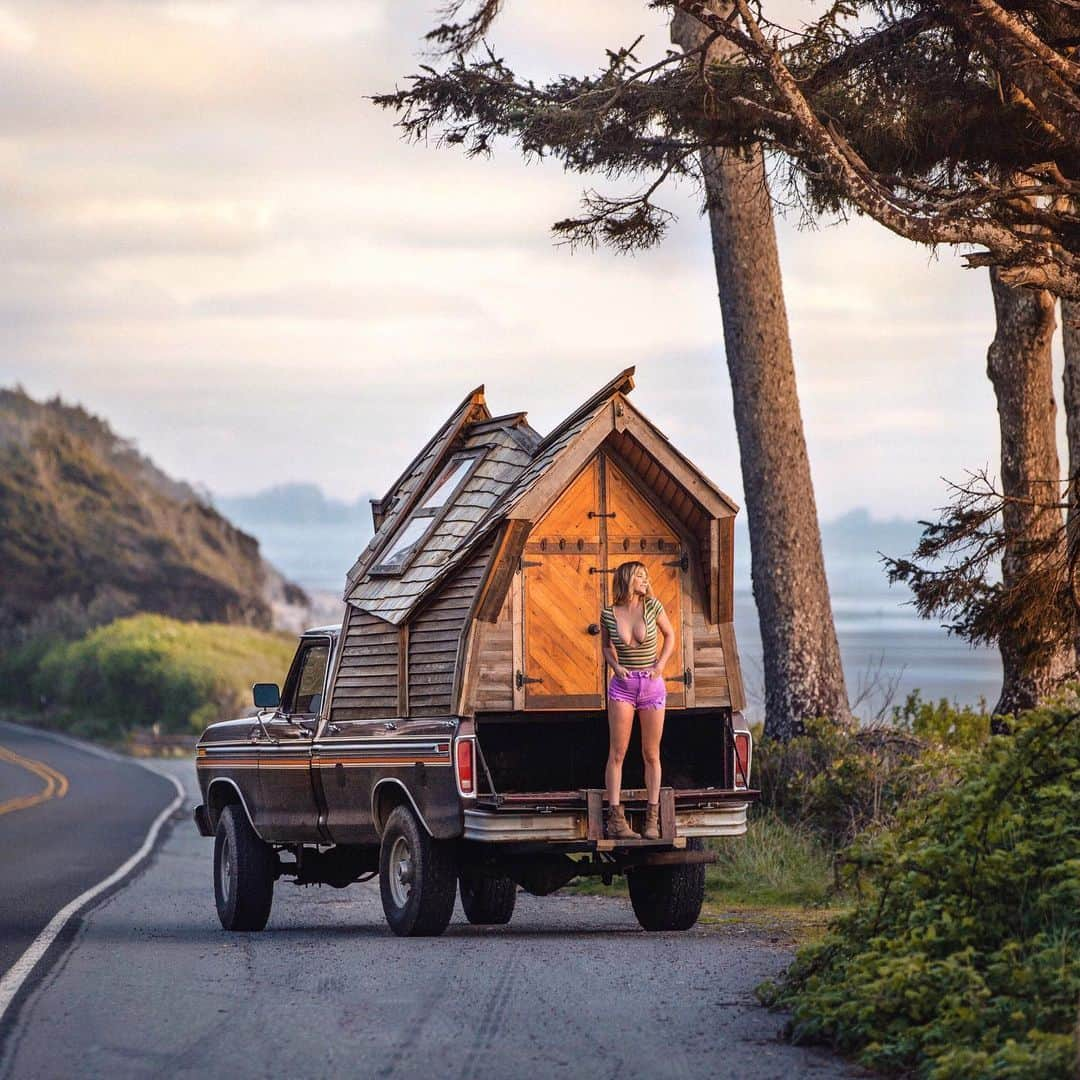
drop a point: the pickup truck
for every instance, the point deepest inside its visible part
(441, 805)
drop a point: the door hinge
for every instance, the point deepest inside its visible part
(597, 570)
(688, 677)
(520, 678)
(522, 563)
(683, 564)
(597, 514)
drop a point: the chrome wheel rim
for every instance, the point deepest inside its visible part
(402, 871)
(225, 871)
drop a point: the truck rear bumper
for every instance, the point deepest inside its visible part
(507, 826)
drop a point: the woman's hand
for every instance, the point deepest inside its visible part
(621, 672)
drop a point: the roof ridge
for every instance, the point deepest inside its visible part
(623, 383)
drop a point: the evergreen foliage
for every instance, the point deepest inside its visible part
(962, 956)
(944, 120)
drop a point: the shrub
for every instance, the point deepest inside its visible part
(962, 956)
(150, 670)
(840, 781)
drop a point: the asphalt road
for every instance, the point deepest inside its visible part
(152, 986)
(68, 818)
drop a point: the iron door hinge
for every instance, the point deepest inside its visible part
(520, 678)
(683, 564)
(688, 677)
(522, 563)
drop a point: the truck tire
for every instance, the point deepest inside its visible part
(417, 877)
(668, 897)
(487, 901)
(244, 871)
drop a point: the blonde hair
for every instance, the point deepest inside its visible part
(624, 574)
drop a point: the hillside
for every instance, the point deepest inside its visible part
(87, 521)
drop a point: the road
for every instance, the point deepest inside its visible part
(68, 818)
(152, 986)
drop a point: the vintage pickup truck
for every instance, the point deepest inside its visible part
(451, 734)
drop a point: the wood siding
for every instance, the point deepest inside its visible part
(493, 664)
(710, 664)
(366, 686)
(435, 635)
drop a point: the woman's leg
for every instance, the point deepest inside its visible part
(620, 724)
(652, 729)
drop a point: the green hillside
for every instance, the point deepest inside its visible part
(151, 671)
(88, 523)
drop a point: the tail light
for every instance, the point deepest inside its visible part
(742, 759)
(466, 766)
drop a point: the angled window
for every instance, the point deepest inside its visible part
(410, 536)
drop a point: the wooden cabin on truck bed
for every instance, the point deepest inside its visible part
(452, 733)
(480, 595)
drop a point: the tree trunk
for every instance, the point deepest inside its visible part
(1020, 368)
(803, 675)
(1070, 333)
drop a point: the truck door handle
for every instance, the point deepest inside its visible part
(390, 725)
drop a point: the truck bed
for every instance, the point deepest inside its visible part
(553, 757)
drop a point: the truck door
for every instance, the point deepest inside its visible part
(286, 795)
(562, 664)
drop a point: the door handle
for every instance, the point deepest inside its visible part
(594, 629)
(390, 725)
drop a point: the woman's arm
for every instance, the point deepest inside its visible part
(609, 652)
(663, 624)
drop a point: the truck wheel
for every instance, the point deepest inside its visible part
(417, 877)
(244, 872)
(668, 897)
(487, 901)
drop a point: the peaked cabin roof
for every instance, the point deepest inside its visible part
(518, 476)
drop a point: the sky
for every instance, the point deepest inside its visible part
(211, 237)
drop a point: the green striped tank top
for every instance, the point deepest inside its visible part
(634, 655)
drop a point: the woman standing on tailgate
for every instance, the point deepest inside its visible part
(629, 627)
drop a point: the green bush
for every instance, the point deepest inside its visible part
(152, 671)
(840, 781)
(962, 956)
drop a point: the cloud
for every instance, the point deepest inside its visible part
(211, 236)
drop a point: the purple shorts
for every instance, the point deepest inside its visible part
(638, 689)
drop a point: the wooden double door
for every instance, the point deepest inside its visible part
(601, 520)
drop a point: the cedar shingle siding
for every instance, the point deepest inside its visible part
(367, 678)
(434, 636)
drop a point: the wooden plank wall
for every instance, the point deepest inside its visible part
(493, 688)
(434, 635)
(710, 670)
(367, 678)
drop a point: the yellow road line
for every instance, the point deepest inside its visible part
(56, 783)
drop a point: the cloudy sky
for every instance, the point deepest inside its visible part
(212, 238)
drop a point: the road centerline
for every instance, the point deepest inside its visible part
(56, 783)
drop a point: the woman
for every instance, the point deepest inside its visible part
(629, 645)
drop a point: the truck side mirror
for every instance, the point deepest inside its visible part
(266, 695)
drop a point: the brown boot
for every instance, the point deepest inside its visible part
(652, 822)
(615, 825)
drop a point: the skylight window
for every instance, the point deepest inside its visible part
(420, 523)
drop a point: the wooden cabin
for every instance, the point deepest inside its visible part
(480, 593)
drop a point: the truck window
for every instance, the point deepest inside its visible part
(306, 694)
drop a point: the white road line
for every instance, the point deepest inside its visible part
(19, 972)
